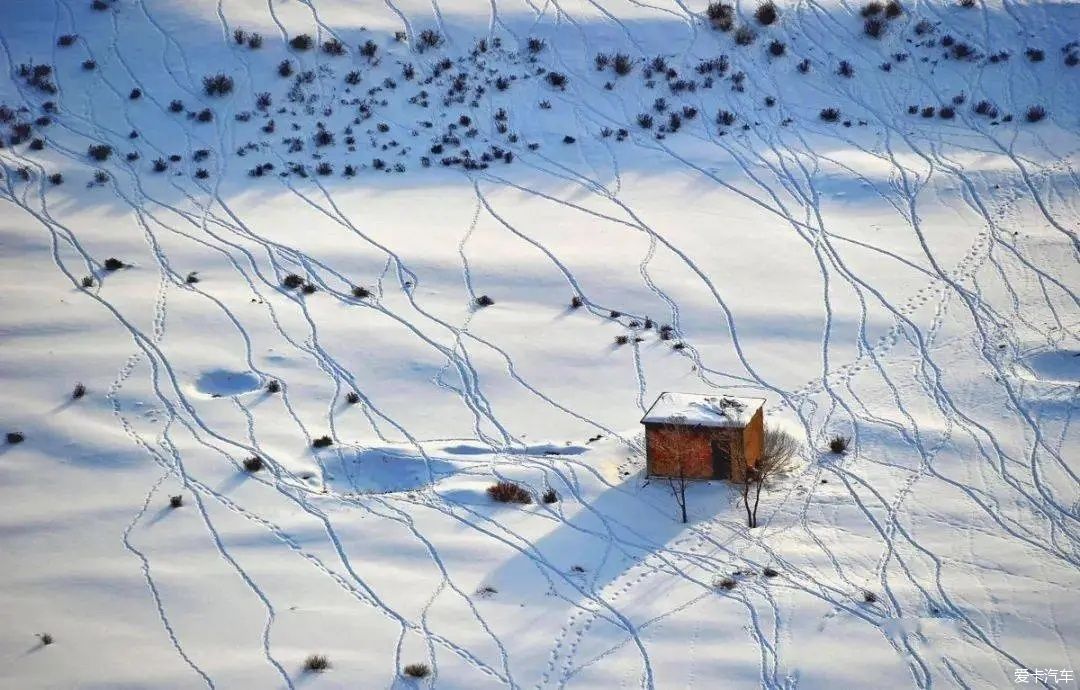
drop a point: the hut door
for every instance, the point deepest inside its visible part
(721, 459)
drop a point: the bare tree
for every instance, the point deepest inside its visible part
(674, 443)
(777, 457)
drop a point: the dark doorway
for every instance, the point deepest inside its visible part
(721, 459)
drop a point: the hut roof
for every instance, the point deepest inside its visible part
(702, 410)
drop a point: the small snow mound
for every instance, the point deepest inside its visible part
(1052, 366)
(223, 383)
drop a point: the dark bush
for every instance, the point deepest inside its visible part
(622, 64)
(273, 386)
(192, 278)
(508, 492)
(725, 118)
(645, 121)
(874, 27)
(322, 442)
(361, 292)
(14, 437)
(113, 264)
(160, 165)
(292, 281)
(845, 69)
(893, 9)
(838, 445)
(986, 108)
(769, 572)
(205, 115)
(947, 112)
(550, 496)
(324, 137)
(923, 27)
(568, 139)
(135, 94)
(727, 583)
(66, 40)
(744, 36)
(829, 114)
(46, 639)
(263, 101)
(962, 51)
(87, 282)
(285, 68)
(369, 49)
(766, 13)
(535, 45)
(176, 106)
(721, 16)
(484, 301)
(89, 64)
(429, 38)
(417, 670)
(777, 48)
(301, 42)
(928, 111)
(308, 288)
(217, 84)
(871, 9)
(1035, 55)
(576, 302)
(99, 152)
(316, 663)
(255, 41)
(803, 66)
(176, 501)
(352, 397)
(556, 79)
(869, 597)
(253, 464)
(333, 47)
(622, 339)
(1035, 113)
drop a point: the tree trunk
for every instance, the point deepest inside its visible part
(746, 502)
(682, 493)
(757, 499)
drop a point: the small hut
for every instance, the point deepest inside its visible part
(703, 436)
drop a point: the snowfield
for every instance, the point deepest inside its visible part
(354, 285)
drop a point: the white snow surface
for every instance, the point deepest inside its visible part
(702, 410)
(908, 281)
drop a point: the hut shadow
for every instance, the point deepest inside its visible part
(639, 515)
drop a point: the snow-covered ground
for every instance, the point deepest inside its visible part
(901, 276)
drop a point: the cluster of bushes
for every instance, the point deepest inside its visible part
(38, 77)
(217, 84)
(253, 40)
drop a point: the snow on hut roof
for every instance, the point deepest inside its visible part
(702, 410)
